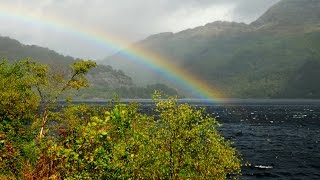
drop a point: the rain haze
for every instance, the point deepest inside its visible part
(130, 20)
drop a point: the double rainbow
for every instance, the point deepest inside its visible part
(136, 54)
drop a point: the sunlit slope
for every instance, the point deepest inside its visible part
(276, 56)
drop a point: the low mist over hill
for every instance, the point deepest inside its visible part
(276, 56)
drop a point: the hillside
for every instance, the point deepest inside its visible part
(276, 56)
(296, 14)
(14, 50)
(106, 82)
(180, 47)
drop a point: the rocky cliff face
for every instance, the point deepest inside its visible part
(108, 77)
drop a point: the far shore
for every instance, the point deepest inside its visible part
(205, 101)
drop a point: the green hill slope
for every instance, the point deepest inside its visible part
(269, 58)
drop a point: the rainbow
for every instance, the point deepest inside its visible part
(136, 54)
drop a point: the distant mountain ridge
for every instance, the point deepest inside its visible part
(297, 13)
(277, 55)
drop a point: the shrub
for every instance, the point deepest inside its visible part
(178, 142)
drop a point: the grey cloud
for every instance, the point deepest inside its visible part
(130, 20)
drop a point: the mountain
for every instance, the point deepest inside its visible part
(14, 50)
(276, 56)
(106, 82)
(296, 14)
(179, 47)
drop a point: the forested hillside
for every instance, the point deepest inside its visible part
(276, 56)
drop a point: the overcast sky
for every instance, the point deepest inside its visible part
(131, 20)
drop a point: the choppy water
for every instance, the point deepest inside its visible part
(278, 139)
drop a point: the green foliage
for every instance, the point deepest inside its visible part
(187, 145)
(39, 140)
(17, 100)
(18, 109)
(53, 85)
(102, 148)
(121, 143)
(28, 92)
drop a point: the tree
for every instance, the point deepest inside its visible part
(52, 85)
(18, 107)
(28, 93)
(187, 145)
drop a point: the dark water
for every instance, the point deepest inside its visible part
(278, 139)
